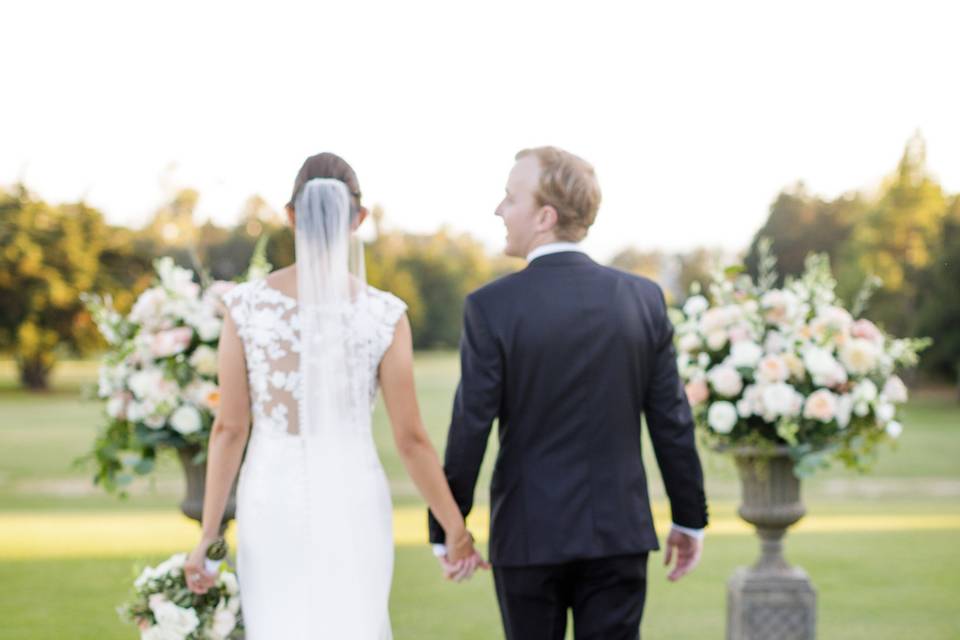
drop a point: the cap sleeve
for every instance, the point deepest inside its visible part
(235, 303)
(388, 312)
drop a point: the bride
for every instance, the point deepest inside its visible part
(302, 354)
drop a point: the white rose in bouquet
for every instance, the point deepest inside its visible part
(859, 356)
(745, 354)
(204, 360)
(224, 622)
(773, 368)
(894, 429)
(780, 399)
(824, 368)
(821, 405)
(894, 390)
(186, 420)
(722, 416)
(725, 380)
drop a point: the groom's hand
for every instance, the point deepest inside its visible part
(687, 550)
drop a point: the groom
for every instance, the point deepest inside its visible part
(566, 355)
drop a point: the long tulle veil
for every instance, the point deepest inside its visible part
(335, 416)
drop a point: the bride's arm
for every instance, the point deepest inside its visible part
(413, 443)
(228, 437)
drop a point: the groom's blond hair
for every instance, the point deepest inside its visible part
(569, 184)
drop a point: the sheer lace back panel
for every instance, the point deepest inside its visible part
(268, 323)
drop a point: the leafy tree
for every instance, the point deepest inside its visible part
(50, 254)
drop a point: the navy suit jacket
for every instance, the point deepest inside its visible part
(567, 355)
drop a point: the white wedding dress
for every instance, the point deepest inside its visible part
(314, 532)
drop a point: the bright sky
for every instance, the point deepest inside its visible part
(694, 114)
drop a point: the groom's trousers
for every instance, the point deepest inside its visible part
(605, 594)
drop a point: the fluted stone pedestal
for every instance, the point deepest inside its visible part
(196, 477)
(770, 600)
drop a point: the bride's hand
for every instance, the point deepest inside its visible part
(199, 580)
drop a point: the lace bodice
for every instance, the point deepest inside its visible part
(269, 326)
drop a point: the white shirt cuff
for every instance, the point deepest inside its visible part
(440, 550)
(693, 533)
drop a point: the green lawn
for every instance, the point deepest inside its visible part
(876, 585)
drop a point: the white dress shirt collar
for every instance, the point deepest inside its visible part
(553, 247)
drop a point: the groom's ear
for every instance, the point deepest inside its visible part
(291, 216)
(547, 218)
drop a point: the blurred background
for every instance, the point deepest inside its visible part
(130, 132)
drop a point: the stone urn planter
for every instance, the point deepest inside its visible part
(771, 599)
(196, 474)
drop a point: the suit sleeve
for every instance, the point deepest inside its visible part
(475, 406)
(671, 428)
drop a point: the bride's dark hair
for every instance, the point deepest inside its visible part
(328, 165)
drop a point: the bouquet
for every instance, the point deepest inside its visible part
(790, 366)
(159, 376)
(165, 609)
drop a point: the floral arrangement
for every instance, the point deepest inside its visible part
(789, 366)
(164, 608)
(159, 375)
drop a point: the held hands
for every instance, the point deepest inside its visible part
(687, 549)
(199, 580)
(462, 559)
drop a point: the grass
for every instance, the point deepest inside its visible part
(881, 571)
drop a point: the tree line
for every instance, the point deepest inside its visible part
(906, 233)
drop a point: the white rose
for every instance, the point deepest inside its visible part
(821, 405)
(186, 420)
(148, 306)
(885, 413)
(690, 342)
(209, 329)
(823, 367)
(775, 342)
(716, 340)
(695, 305)
(157, 632)
(204, 360)
(176, 619)
(745, 353)
(865, 391)
(715, 319)
(894, 390)
(725, 380)
(229, 582)
(233, 605)
(224, 622)
(772, 368)
(894, 429)
(859, 356)
(144, 382)
(780, 399)
(722, 417)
